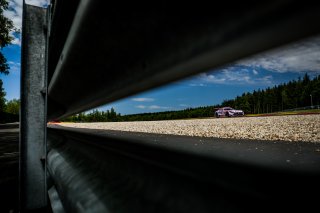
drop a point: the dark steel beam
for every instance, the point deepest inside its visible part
(56, 204)
(33, 191)
(112, 171)
(112, 52)
(63, 15)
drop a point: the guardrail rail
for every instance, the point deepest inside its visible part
(77, 55)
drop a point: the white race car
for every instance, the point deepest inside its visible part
(228, 112)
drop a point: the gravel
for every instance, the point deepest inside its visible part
(287, 128)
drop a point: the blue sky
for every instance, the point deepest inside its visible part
(258, 72)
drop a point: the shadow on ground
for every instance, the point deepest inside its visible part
(9, 167)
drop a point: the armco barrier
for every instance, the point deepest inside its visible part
(77, 55)
(303, 108)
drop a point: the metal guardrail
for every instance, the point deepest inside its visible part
(94, 52)
(303, 108)
(98, 171)
(33, 189)
(137, 49)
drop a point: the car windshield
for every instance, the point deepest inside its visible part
(228, 108)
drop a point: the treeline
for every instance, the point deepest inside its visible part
(8, 117)
(9, 110)
(294, 94)
(95, 116)
(207, 111)
(100, 116)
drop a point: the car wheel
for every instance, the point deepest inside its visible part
(217, 115)
(227, 114)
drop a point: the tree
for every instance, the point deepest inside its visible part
(6, 26)
(13, 107)
(113, 114)
(2, 99)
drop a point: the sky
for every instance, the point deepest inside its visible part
(258, 72)
(13, 52)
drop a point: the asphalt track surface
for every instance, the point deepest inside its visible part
(304, 156)
(9, 167)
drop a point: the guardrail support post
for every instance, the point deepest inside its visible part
(33, 189)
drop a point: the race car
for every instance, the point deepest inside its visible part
(228, 112)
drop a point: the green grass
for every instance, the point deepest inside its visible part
(298, 112)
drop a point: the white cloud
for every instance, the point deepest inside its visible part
(16, 40)
(158, 107)
(143, 99)
(184, 105)
(197, 85)
(14, 66)
(15, 14)
(234, 75)
(152, 107)
(210, 78)
(298, 57)
(141, 106)
(303, 56)
(13, 63)
(39, 3)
